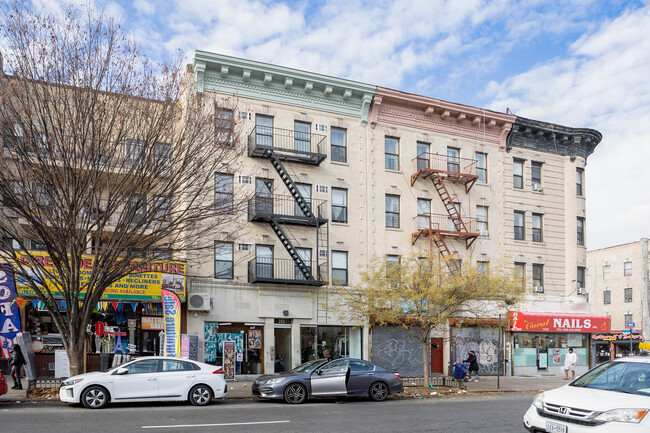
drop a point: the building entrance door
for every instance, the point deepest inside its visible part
(436, 355)
(282, 347)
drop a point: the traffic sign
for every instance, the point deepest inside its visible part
(630, 325)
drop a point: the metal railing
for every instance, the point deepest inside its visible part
(287, 140)
(445, 163)
(443, 223)
(434, 381)
(261, 269)
(283, 205)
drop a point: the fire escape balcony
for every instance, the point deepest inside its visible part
(442, 225)
(284, 209)
(287, 145)
(285, 271)
(449, 168)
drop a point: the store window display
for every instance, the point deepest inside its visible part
(345, 341)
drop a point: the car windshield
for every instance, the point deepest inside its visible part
(307, 366)
(627, 377)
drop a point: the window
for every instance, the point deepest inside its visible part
(423, 150)
(144, 366)
(481, 167)
(607, 297)
(223, 260)
(361, 366)
(453, 160)
(340, 268)
(628, 318)
(224, 127)
(391, 148)
(536, 175)
(302, 136)
(263, 131)
(520, 233)
(162, 207)
(305, 191)
(392, 211)
(606, 272)
(482, 220)
(537, 227)
(520, 272)
(538, 275)
(628, 295)
(518, 173)
(424, 213)
(391, 262)
(263, 196)
(580, 173)
(162, 153)
(133, 149)
(138, 208)
(37, 246)
(339, 205)
(223, 191)
(581, 230)
(170, 365)
(580, 278)
(482, 267)
(305, 256)
(336, 366)
(627, 269)
(264, 261)
(339, 145)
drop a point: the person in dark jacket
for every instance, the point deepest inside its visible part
(473, 365)
(17, 362)
(329, 355)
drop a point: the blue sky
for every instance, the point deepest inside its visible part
(581, 63)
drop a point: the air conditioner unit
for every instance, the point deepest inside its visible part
(582, 291)
(483, 232)
(539, 289)
(199, 302)
(537, 187)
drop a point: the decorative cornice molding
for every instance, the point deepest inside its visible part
(273, 83)
(553, 138)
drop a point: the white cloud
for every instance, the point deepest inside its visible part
(601, 84)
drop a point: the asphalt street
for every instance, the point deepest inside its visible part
(489, 413)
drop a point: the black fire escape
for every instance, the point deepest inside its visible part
(279, 211)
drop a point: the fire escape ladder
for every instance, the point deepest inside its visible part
(300, 264)
(447, 255)
(291, 186)
(447, 201)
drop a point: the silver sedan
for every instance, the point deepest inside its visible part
(322, 379)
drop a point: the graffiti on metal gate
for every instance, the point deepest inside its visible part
(483, 341)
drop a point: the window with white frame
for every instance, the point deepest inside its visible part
(628, 294)
(520, 272)
(339, 205)
(392, 211)
(518, 173)
(482, 219)
(339, 145)
(481, 167)
(391, 149)
(520, 233)
(627, 269)
(224, 127)
(580, 278)
(538, 275)
(223, 191)
(223, 260)
(537, 228)
(580, 173)
(340, 268)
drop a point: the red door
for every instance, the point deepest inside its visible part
(436, 355)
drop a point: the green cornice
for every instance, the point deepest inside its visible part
(263, 81)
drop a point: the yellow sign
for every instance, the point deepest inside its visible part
(644, 346)
(145, 284)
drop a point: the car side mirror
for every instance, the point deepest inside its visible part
(122, 370)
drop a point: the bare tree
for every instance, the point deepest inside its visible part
(104, 154)
(419, 294)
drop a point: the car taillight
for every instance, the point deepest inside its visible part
(218, 371)
(397, 374)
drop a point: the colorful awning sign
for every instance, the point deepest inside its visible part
(551, 322)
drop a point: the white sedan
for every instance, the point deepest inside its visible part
(613, 397)
(154, 378)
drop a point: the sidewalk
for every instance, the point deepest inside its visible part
(241, 388)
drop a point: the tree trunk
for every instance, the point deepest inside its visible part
(426, 363)
(76, 354)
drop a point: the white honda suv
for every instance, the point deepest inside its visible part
(612, 397)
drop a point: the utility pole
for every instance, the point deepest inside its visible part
(645, 292)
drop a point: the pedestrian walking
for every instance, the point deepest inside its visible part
(473, 366)
(570, 361)
(17, 362)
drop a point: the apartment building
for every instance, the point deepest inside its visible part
(617, 286)
(340, 172)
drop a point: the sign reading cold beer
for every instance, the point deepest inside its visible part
(145, 284)
(549, 322)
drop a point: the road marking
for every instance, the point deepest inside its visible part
(214, 425)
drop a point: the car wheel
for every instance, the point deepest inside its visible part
(378, 391)
(200, 395)
(95, 397)
(295, 393)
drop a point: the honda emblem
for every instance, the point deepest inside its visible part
(565, 410)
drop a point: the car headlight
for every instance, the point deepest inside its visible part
(622, 415)
(538, 401)
(274, 380)
(71, 382)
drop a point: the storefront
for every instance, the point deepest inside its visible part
(540, 341)
(612, 345)
(247, 339)
(345, 341)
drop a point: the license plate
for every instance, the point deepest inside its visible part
(554, 427)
